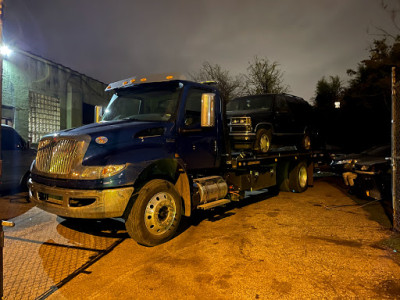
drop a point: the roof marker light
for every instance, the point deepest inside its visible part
(109, 87)
(133, 80)
(125, 83)
(169, 77)
(143, 79)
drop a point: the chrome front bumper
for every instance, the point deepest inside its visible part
(242, 140)
(86, 204)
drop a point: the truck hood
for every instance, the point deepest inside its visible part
(109, 140)
(135, 144)
(117, 131)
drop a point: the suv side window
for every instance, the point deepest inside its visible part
(263, 102)
(301, 107)
(281, 105)
(295, 105)
(193, 108)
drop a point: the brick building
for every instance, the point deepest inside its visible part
(40, 96)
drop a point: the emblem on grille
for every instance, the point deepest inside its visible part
(101, 140)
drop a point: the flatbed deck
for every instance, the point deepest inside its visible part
(242, 159)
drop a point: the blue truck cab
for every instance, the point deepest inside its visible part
(160, 151)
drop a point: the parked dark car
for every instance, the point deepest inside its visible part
(17, 158)
(346, 162)
(368, 174)
(374, 174)
(262, 121)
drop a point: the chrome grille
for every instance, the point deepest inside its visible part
(240, 124)
(56, 156)
(240, 128)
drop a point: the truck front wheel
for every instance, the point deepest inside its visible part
(155, 214)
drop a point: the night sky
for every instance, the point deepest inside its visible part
(114, 39)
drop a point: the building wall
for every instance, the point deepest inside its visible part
(24, 73)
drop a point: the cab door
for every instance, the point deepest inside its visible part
(197, 145)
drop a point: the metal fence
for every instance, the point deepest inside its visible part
(8, 224)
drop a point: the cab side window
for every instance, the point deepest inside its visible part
(193, 109)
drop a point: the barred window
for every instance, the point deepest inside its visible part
(44, 115)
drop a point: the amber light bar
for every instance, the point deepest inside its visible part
(141, 79)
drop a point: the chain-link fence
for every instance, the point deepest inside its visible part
(396, 148)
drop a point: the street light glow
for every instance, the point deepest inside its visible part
(5, 50)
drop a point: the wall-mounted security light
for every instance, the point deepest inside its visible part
(5, 51)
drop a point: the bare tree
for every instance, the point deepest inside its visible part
(229, 86)
(264, 77)
(392, 8)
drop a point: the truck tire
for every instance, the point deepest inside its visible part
(23, 185)
(298, 178)
(263, 140)
(155, 214)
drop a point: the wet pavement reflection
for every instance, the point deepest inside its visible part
(43, 252)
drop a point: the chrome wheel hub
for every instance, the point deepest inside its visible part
(264, 143)
(303, 177)
(160, 213)
(307, 143)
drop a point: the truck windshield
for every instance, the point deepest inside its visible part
(144, 102)
(263, 102)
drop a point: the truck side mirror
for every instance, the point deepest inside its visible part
(207, 110)
(98, 113)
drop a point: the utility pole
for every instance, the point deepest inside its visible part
(1, 81)
(395, 153)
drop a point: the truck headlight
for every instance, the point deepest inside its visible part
(98, 172)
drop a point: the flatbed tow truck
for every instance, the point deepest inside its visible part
(162, 150)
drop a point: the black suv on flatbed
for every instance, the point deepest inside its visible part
(257, 122)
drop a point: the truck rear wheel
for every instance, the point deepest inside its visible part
(298, 178)
(155, 214)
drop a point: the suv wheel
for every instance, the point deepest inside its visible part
(263, 140)
(306, 142)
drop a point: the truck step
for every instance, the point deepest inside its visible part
(214, 204)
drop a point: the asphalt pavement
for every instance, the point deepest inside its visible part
(323, 243)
